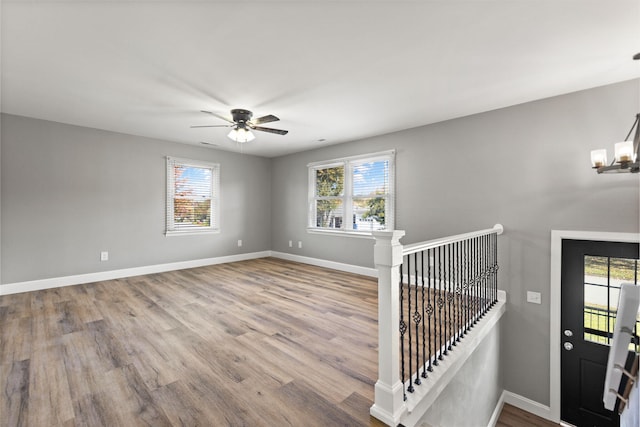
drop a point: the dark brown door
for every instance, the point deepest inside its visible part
(591, 276)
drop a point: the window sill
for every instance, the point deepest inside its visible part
(343, 233)
(190, 232)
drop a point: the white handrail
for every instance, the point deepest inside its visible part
(429, 244)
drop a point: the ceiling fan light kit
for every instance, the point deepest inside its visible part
(243, 125)
(241, 135)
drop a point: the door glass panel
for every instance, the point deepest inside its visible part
(602, 279)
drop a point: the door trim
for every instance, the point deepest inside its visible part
(557, 236)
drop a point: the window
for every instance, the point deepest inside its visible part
(603, 277)
(353, 195)
(192, 196)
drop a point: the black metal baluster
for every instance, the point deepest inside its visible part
(490, 271)
(489, 288)
(469, 287)
(458, 289)
(483, 283)
(475, 281)
(492, 295)
(470, 284)
(450, 335)
(456, 310)
(463, 286)
(430, 307)
(445, 335)
(447, 279)
(496, 267)
(485, 275)
(481, 275)
(472, 281)
(487, 296)
(465, 274)
(495, 264)
(440, 303)
(403, 329)
(424, 332)
(463, 304)
(417, 318)
(436, 319)
(478, 279)
(408, 258)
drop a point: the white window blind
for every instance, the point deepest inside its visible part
(354, 194)
(192, 196)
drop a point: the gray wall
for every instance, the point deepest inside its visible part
(472, 395)
(69, 192)
(526, 167)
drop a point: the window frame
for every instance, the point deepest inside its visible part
(348, 197)
(170, 226)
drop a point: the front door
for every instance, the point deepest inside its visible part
(591, 276)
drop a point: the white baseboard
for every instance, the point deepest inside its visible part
(56, 282)
(349, 268)
(496, 412)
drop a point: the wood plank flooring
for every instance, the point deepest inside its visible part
(258, 343)
(514, 417)
(264, 342)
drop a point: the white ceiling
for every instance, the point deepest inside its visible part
(332, 70)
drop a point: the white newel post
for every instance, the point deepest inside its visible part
(389, 404)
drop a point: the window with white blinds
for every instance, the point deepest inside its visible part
(192, 196)
(352, 194)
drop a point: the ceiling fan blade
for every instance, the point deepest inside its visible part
(212, 126)
(265, 119)
(270, 130)
(217, 115)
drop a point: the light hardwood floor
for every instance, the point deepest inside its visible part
(257, 343)
(514, 417)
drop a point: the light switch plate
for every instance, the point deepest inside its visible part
(534, 297)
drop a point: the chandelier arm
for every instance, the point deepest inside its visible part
(633, 127)
(636, 138)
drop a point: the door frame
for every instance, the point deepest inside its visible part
(557, 236)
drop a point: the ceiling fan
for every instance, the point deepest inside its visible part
(242, 124)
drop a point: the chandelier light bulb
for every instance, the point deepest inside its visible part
(624, 152)
(598, 158)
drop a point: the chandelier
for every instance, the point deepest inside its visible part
(625, 152)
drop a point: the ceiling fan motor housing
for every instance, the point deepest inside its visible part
(241, 116)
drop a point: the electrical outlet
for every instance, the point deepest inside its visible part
(239, 243)
(290, 243)
(104, 256)
(534, 297)
(299, 244)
